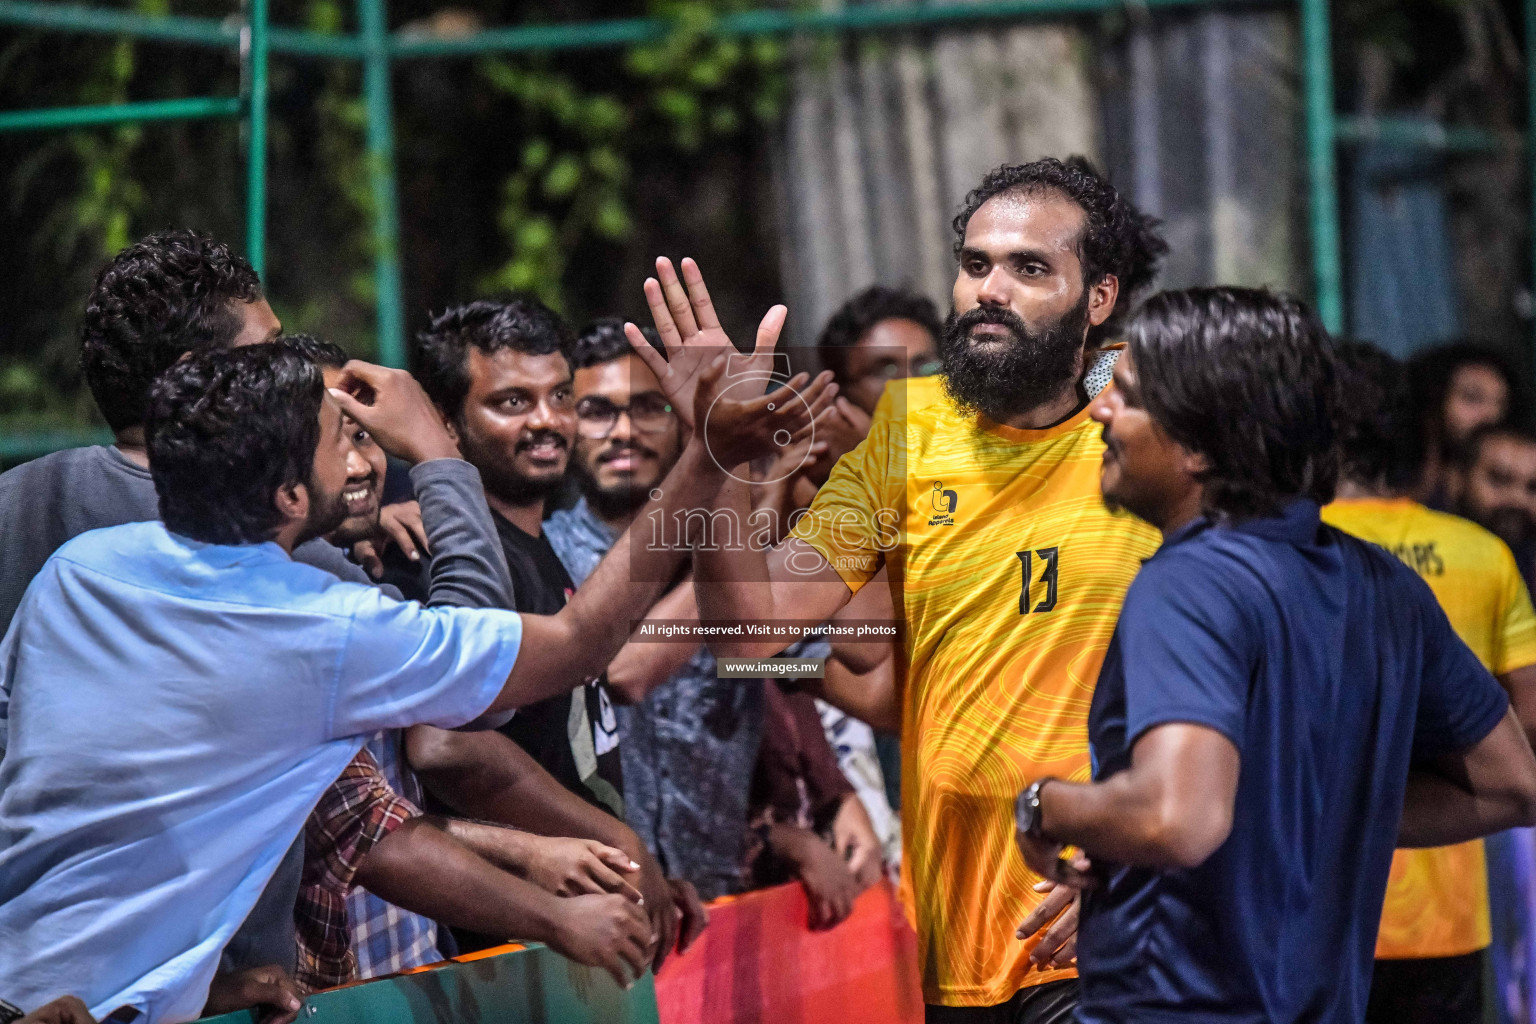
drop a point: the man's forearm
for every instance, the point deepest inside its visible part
(641, 666)
(564, 650)
(487, 776)
(1485, 789)
(868, 696)
(469, 566)
(504, 846)
(1438, 812)
(421, 868)
(1124, 820)
(731, 582)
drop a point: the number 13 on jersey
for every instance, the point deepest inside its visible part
(1047, 579)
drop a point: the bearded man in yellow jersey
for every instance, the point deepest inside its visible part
(979, 491)
(1434, 934)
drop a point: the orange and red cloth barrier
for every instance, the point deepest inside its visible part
(758, 961)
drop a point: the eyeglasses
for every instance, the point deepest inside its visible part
(892, 370)
(596, 417)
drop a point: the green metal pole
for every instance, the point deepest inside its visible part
(168, 28)
(853, 18)
(570, 35)
(1401, 131)
(1322, 177)
(381, 172)
(117, 113)
(256, 148)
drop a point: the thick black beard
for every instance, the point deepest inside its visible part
(1033, 369)
(516, 489)
(619, 502)
(614, 503)
(503, 481)
(326, 514)
(1511, 526)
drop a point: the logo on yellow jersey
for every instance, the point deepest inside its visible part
(944, 504)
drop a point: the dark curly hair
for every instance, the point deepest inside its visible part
(226, 430)
(1117, 239)
(521, 323)
(603, 341)
(1376, 438)
(873, 305)
(1246, 378)
(167, 295)
(325, 354)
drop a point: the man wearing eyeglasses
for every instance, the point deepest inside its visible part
(499, 375)
(627, 439)
(690, 738)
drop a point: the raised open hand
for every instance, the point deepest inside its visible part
(690, 330)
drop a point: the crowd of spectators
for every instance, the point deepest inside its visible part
(596, 819)
(633, 782)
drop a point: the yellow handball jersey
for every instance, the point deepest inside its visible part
(1009, 574)
(1437, 900)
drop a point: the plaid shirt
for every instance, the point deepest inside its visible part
(359, 809)
(386, 939)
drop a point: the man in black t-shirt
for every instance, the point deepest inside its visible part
(576, 739)
(498, 374)
(499, 371)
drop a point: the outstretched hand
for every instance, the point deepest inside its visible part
(391, 406)
(737, 428)
(691, 333)
(717, 391)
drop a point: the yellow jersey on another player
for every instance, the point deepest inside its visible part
(1437, 900)
(1008, 573)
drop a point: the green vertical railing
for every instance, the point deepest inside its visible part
(255, 62)
(372, 19)
(1322, 138)
(255, 65)
(377, 48)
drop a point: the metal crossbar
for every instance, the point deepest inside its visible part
(377, 48)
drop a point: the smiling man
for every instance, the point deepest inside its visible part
(979, 490)
(1281, 705)
(223, 685)
(499, 375)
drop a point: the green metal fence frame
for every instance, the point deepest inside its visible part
(377, 49)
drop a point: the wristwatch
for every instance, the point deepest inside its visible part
(1026, 810)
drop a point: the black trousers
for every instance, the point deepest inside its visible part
(1055, 1002)
(1434, 990)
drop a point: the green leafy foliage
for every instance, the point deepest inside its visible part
(584, 132)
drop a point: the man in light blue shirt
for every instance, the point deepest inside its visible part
(175, 696)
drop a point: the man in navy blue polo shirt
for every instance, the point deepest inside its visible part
(1281, 705)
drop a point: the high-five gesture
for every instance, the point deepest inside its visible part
(689, 328)
(738, 423)
(716, 390)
